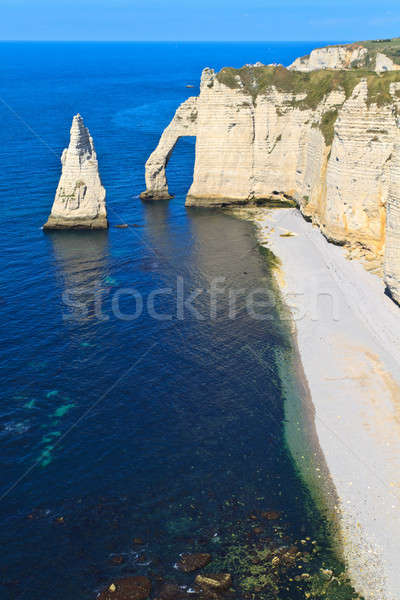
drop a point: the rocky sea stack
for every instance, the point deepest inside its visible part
(80, 197)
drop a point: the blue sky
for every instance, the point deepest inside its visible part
(186, 20)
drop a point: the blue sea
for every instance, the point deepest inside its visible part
(128, 438)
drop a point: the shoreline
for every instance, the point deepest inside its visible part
(344, 321)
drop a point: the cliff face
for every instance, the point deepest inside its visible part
(378, 55)
(392, 250)
(331, 57)
(80, 197)
(246, 150)
(330, 143)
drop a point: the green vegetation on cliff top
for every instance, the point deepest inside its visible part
(315, 85)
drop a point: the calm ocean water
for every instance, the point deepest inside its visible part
(166, 430)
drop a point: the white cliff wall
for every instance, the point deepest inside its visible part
(392, 249)
(249, 151)
(224, 144)
(343, 57)
(357, 178)
(384, 63)
(330, 57)
(274, 148)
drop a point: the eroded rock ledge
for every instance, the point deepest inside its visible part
(329, 140)
(80, 197)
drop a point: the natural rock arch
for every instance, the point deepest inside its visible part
(183, 124)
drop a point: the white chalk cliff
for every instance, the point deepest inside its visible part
(80, 197)
(351, 56)
(328, 141)
(331, 57)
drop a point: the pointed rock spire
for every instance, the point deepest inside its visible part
(80, 198)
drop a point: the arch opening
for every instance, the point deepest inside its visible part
(183, 125)
(180, 166)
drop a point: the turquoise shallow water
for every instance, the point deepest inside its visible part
(112, 429)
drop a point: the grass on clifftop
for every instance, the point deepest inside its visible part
(316, 85)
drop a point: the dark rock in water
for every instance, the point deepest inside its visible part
(217, 582)
(271, 515)
(118, 559)
(155, 195)
(59, 520)
(192, 562)
(129, 588)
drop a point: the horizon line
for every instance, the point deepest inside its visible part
(168, 41)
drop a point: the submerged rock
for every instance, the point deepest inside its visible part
(271, 515)
(217, 582)
(80, 196)
(117, 559)
(137, 587)
(192, 562)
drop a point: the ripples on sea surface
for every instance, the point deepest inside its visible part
(183, 438)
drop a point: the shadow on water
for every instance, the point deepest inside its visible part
(83, 262)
